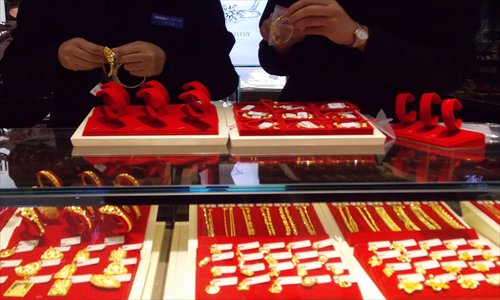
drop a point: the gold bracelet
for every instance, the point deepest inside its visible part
(50, 176)
(117, 79)
(363, 211)
(492, 209)
(209, 223)
(232, 226)
(445, 216)
(248, 220)
(135, 208)
(275, 29)
(126, 177)
(288, 230)
(82, 212)
(423, 217)
(291, 222)
(115, 211)
(268, 221)
(92, 176)
(389, 222)
(306, 219)
(349, 221)
(30, 214)
(400, 212)
(224, 210)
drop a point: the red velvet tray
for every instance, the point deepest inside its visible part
(137, 122)
(58, 229)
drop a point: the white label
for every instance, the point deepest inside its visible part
(252, 256)
(323, 243)
(266, 125)
(76, 240)
(129, 261)
(336, 105)
(307, 254)
(24, 248)
(10, 263)
(223, 256)
(322, 278)
(431, 242)
(96, 247)
(114, 240)
(88, 262)
(406, 243)
(446, 277)
(289, 280)
(258, 279)
(288, 265)
(495, 252)
(3, 279)
(123, 278)
(337, 266)
(40, 279)
(248, 107)
(131, 247)
(96, 89)
(427, 264)
(416, 253)
(29, 243)
(444, 253)
(63, 249)
(255, 267)
(456, 263)
(51, 262)
(455, 242)
(487, 263)
(477, 242)
(292, 107)
(272, 246)
(249, 246)
(411, 277)
(379, 244)
(281, 255)
(472, 252)
(308, 124)
(347, 278)
(350, 125)
(80, 278)
(302, 115)
(222, 247)
(313, 265)
(330, 254)
(300, 244)
(227, 281)
(399, 266)
(495, 277)
(388, 254)
(225, 269)
(349, 116)
(475, 276)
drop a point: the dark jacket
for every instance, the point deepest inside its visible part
(198, 51)
(415, 46)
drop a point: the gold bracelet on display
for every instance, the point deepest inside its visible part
(209, 223)
(288, 230)
(365, 214)
(400, 212)
(424, 218)
(50, 176)
(445, 216)
(116, 211)
(127, 177)
(30, 214)
(306, 219)
(245, 210)
(82, 212)
(349, 221)
(291, 222)
(388, 221)
(117, 79)
(91, 177)
(268, 221)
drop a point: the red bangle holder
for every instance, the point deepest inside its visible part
(297, 118)
(427, 130)
(118, 118)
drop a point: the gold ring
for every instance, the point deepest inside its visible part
(50, 176)
(92, 176)
(127, 177)
(116, 211)
(30, 214)
(104, 281)
(82, 212)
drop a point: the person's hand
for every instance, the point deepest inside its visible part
(141, 59)
(323, 17)
(296, 37)
(78, 54)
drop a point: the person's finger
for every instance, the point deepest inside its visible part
(131, 58)
(303, 4)
(309, 11)
(311, 22)
(89, 57)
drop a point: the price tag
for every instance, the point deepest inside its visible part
(487, 263)
(336, 266)
(427, 264)
(290, 280)
(96, 247)
(406, 243)
(307, 254)
(475, 276)
(80, 278)
(313, 265)
(88, 262)
(456, 263)
(336, 105)
(411, 277)
(223, 256)
(300, 244)
(379, 244)
(323, 244)
(399, 266)
(131, 247)
(248, 107)
(472, 252)
(255, 267)
(416, 253)
(272, 246)
(252, 256)
(388, 254)
(226, 269)
(258, 279)
(3, 279)
(123, 278)
(10, 263)
(227, 281)
(281, 255)
(430, 243)
(323, 279)
(63, 249)
(444, 253)
(129, 261)
(330, 254)
(455, 242)
(40, 279)
(76, 240)
(222, 247)
(114, 240)
(249, 246)
(446, 277)
(51, 262)
(288, 265)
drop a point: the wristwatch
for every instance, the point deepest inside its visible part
(360, 36)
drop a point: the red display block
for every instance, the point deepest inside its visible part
(427, 130)
(366, 222)
(459, 269)
(281, 118)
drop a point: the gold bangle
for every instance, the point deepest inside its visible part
(126, 177)
(248, 220)
(445, 216)
(388, 221)
(365, 214)
(92, 176)
(423, 217)
(30, 214)
(268, 221)
(82, 212)
(117, 79)
(349, 221)
(116, 211)
(50, 176)
(209, 223)
(290, 220)
(306, 219)
(135, 208)
(400, 212)
(288, 230)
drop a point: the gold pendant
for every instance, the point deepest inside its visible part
(115, 268)
(216, 272)
(117, 254)
(104, 281)
(467, 283)
(436, 284)
(309, 281)
(66, 272)
(212, 288)
(82, 256)
(243, 286)
(28, 270)
(19, 288)
(51, 253)
(7, 252)
(452, 269)
(204, 261)
(375, 261)
(410, 286)
(60, 288)
(276, 287)
(388, 271)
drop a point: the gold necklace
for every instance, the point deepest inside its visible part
(363, 211)
(266, 214)
(349, 221)
(209, 222)
(304, 215)
(248, 220)
(423, 217)
(389, 222)
(290, 220)
(445, 216)
(288, 230)
(232, 226)
(400, 212)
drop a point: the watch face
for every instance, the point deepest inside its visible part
(362, 34)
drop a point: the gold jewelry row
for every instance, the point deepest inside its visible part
(423, 217)
(400, 212)
(388, 221)
(445, 216)
(268, 221)
(248, 220)
(365, 213)
(306, 219)
(349, 221)
(209, 221)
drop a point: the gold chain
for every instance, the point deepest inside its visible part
(363, 211)
(306, 219)
(423, 217)
(292, 223)
(349, 221)
(386, 218)
(492, 209)
(232, 226)
(288, 230)
(224, 209)
(400, 212)
(248, 220)
(266, 214)
(209, 221)
(445, 216)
